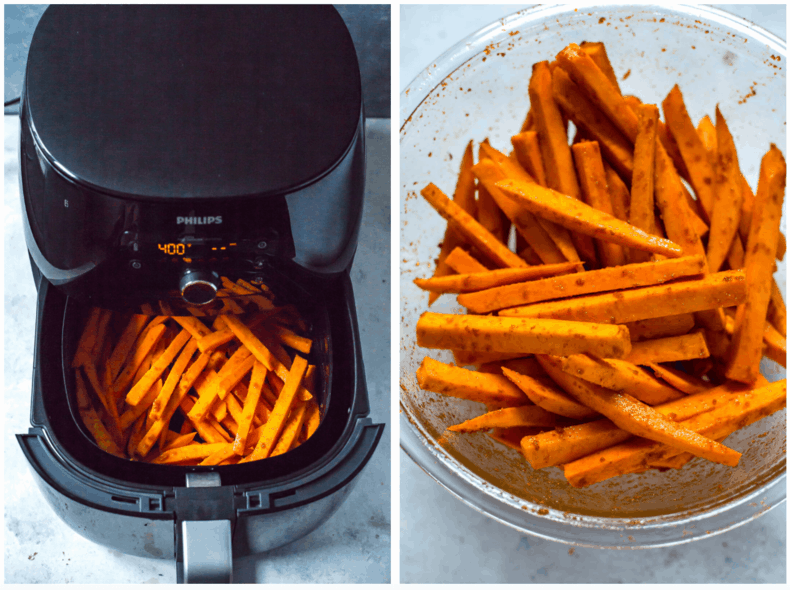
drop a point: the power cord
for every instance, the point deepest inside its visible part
(8, 103)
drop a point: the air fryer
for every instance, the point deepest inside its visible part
(163, 148)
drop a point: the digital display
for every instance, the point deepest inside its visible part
(200, 249)
(174, 249)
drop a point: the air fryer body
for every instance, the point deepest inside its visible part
(160, 142)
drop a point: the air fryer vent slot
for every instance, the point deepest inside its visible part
(253, 500)
(124, 499)
(154, 504)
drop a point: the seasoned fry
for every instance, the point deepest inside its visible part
(594, 281)
(592, 178)
(736, 411)
(723, 289)
(673, 325)
(582, 218)
(511, 417)
(747, 342)
(667, 350)
(526, 148)
(549, 398)
(472, 385)
(597, 52)
(250, 403)
(527, 336)
(87, 339)
(638, 418)
(727, 197)
(620, 376)
(125, 343)
(465, 197)
(642, 212)
(466, 283)
(463, 263)
(143, 385)
(471, 230)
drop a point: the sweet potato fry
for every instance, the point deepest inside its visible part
(616, 148)
(511, 437)
(597, 52)
(291, 339)
(467, 283)
(618, 192)
(592, 178)
(193, 451)
(723, 289)
(642, 212)
(213, 340)
(511, 417)
(673, 325)
(691, 148)
(250, 403)
(620, 376)
(472, 385)
(594, 281)
(485, 333)
(464, 358)
(193, 325)
(463, 263)
(727, 197)
(145, 342)
(667, 350)
(526, 148)
(736, 410)
(556, 155)
(548, 397)
(293, 427)
(92, 421)
(274, 426)
(598, 88)
(637, 418)
(679, 380)
(464, 196)
(747, 342)
(568, 444)
(471, 230)
(580, 217)
(137, 392)
(488, 174)
(777, 312)
(87, 339)
(124, 346)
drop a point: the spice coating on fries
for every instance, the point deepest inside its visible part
(684, 275)
(182, 392)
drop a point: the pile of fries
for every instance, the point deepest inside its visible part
(626, 330)
(172, 390)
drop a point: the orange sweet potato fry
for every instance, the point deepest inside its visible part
(637, 418)
(548, 397)
(468, 283)
(618, 192)
(463, 263)
(250, 403)
(594, 281)
(747, 342)
(620, 376)
(464, 196)
(579, 217)
(528, 336)
(667, 350)
(616, 147)
(88, 338)
(735, 410)
(597, 52)
(472, 385)
(727, 197)
(531, 415)
(723, 289)
(642, 213)
(473, 232)
(556, 155)
(125, 342)
(592, 178)
(160, 364)
(681, 381)
(526, 148)
(691, 148)
(673, 325)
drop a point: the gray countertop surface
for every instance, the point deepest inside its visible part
(442, 540)
(353, 546)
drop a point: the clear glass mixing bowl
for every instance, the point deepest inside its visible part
(478, 89)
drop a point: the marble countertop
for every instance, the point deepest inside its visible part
(442, 540)
(353, 546)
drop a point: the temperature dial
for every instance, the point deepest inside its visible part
(199, 287)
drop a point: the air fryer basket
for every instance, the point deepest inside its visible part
(285, 291)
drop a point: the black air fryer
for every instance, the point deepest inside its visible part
(162, 148)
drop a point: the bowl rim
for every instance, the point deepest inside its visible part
(478, 494)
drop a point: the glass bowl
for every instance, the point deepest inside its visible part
(478, 89)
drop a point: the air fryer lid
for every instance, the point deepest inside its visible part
(193, 102)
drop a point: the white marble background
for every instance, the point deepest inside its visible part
(353, 546)
(445, 541)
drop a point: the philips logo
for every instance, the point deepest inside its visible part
(198, 220)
